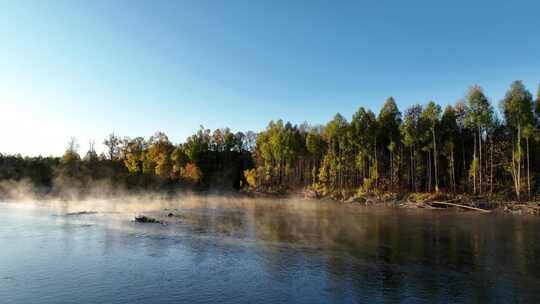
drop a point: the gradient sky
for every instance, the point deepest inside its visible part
(87, 68)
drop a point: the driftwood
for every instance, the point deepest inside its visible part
(410, 204)
(447, 203)
(428, 206)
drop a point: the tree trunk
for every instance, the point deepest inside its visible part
(491, 168)
(516, 164)
(435, 161)
(429, 171)
(519, 161)
(528, 171)
(474, 171)
(453, 169)
(376, 165)
(463, 163)
(480, 159)
(391, 168)
(411, 177)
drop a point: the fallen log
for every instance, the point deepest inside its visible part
(459, 206)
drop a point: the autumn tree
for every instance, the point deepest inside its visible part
(72, 151)
(70, 172)
(135, 154)
(159, 154)
(179, 161)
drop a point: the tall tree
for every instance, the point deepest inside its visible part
(91, 155)
(410, 129)
(112, 143)
(460, 109)
(517, 109)
(159, 155)
(250, 141)
(134, 157)
(449, 133)
(364, 131)
(315, 145)
(197, 145)
(479, 116)
(390, 136)
(537, 109)
(335, 134)
(432, 114)
(72, 151)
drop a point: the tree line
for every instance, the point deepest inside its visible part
(207, 159)
(464, 148)
(468, 147)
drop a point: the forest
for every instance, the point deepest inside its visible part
(475, 147)
(206, 160)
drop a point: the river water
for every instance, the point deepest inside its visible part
(214, 250)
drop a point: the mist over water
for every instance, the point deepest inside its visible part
(227, 249)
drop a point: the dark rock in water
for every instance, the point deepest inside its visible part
(146, 219)
(170, 214)
(81, 213)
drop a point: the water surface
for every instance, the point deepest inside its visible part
(229, 251)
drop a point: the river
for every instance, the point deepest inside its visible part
(215, 250)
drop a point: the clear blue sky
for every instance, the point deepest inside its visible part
(86, 68)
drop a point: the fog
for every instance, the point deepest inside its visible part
(222, 214)
(217, 242)
(102, 196)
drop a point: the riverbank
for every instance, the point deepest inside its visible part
(438, 201)
(422, 200)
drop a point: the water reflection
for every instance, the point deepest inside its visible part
(274, 251)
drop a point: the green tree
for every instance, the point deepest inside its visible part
(229, 140)
(479, 116)
(197, 145)
(179, 159)
(315, 146)
(517, 109)
(432, 114)
(449, 132)
(410, 130)
(389, 121)
(537, 106)
(334, 133)
(364, 131)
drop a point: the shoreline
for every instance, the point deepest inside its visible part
(430, 201)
